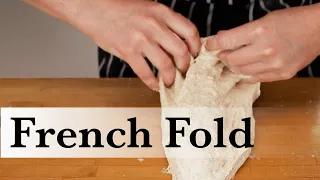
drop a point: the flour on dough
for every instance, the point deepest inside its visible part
(209, 90)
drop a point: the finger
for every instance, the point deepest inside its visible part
(233, 38)
(175, 47)
(264, 77)
(140, 66)
(269, 64)
(254, 68)
(244, 55)
(186, 30)
(161, 61)
(263, 66)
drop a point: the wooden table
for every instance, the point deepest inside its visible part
(287, 141)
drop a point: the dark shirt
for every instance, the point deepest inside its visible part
(210, 16)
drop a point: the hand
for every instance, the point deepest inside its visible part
(272, 48)
(133, 30)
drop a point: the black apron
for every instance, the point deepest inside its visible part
(210, 16)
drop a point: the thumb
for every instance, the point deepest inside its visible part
(231, 39)
(215, 42)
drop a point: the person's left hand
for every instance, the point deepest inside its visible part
(271, 48)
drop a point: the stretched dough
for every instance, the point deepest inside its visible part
(209, 90)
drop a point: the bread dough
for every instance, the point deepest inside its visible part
(208, 91)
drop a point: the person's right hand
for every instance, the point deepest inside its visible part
(139, 29)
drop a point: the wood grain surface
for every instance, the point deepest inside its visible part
(287, 145)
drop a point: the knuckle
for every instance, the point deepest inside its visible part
(261, 30)
(264, 32)
(151, 21)
(193, 31)
(268, 51)
(129, 50)
(119, 52)
(278, 64)
(161, 10)
(138, 37)
(159, 7)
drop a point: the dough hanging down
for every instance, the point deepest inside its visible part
(208, 91)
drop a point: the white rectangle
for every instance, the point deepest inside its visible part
(54, 121)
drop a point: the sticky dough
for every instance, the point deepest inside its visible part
(209, 90)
